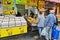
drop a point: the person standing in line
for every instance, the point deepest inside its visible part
(40, 23)
(49, 22)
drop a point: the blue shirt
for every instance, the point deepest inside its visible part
(40, 21)
(50, 20)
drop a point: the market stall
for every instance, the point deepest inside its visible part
(11, 25)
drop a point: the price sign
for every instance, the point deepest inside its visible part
(12, 12)
(7, 12)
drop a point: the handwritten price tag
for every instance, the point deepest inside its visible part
(9, 12)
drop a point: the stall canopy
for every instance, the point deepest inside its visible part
(56, 1)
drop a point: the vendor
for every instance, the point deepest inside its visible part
(32, 14)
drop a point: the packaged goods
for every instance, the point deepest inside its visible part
(4, 24)
(18, 23)
(5, 20)
(1, 17)
(6, 17)
(23, 23)
(11, 23)
(11, 16)
(11, 19)
(17, 18)
(0, 24)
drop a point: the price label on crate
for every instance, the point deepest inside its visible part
(9, 12)
(6, 12)
(12, 12)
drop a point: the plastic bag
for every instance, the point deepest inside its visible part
(43, 33)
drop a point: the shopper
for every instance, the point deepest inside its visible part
(49, 22)
(40, 23)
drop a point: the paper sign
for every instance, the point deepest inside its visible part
(9, 12)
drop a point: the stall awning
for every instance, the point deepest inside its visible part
(56, 1)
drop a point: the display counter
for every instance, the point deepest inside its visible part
(11, 25)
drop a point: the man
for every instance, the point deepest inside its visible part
(40, 23)
(49, 22)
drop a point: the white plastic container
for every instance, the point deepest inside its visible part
(5, 20)
(11, 23)
(17, 19)
(4, 24)
(0, 24)
(1, 17)
(12, 19)
(18, 23)
(11, 16)
(6, 17)
(23, 23)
